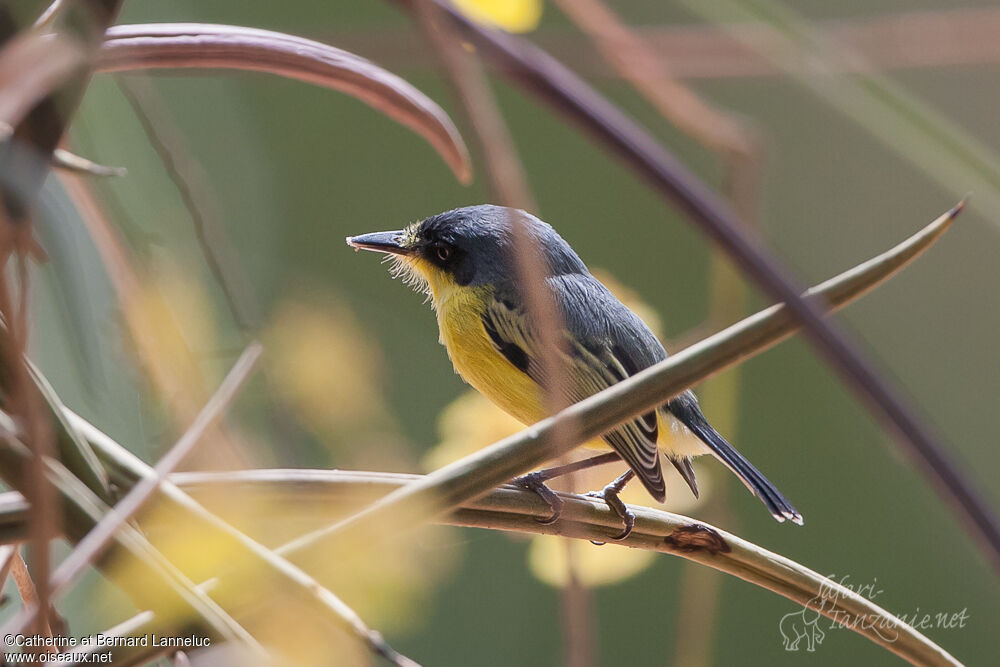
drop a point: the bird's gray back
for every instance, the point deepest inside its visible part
(596, 318)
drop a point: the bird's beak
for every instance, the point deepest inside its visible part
(387, 242)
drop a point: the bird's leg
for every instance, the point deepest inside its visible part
(609, 494)
(535, 481)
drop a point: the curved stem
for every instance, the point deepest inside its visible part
(513, 509)
(206, 46)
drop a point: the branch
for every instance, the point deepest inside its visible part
(128, 469)
(100, 535)
(935, 38)
(513, 509)
(32, 66)
(26, 587)
(194, 187)
(205, 46)
(160, 580)
(26, 158)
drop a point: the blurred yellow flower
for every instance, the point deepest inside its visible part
(388, 583)
(173, 333)
(509, 15)
(466, 425)
(286, 626)
(594, 565)
(170, 321)
(329, 371)
(387, 586)
(324, 365)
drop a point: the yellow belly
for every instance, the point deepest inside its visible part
(476, 359)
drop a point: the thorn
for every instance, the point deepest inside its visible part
(63, 159)
(960, 205)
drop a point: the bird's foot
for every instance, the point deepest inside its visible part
(609, 494)
(535, 481)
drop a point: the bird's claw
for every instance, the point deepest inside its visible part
(536, 483)
(609, 495)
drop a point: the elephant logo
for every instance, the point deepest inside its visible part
(803, 624)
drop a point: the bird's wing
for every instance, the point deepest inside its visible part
(593, 362)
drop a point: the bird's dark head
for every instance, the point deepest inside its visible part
(470, 246)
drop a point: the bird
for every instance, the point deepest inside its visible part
(463, 260)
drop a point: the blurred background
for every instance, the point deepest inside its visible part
(353, 376)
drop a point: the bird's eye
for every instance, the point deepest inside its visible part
(443, 252)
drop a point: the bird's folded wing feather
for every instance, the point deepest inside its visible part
(591, 365)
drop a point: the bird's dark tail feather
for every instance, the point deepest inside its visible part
(685, 408)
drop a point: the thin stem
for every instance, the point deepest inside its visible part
(103, 532)
(63, 159)
(26, 588)
(48, 16)
(636, 62)
(918, 39)
(514, 509)
(24, 403)
(180, 379)
(188, 177)
(156, 579)
(8, 553)
(129, 469)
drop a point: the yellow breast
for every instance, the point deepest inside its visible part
(476, 359)
(459, 314)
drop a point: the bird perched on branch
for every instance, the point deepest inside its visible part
(464, 260)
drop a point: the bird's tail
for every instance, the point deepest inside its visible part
(686, 409)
